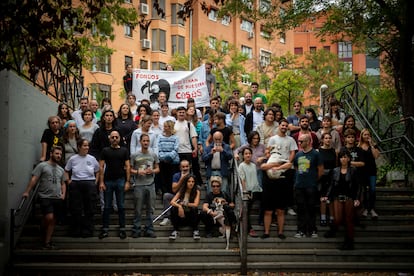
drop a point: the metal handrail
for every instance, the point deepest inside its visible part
(241, 201)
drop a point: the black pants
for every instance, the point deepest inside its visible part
(195, 165)
(82, 198)
(306, 214)
(191, 218)
(207, 219)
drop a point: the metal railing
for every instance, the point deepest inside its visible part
(394, 138)
(54, 78)
(241, 202)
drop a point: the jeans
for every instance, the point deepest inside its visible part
(306, 214)
(112, 186)
(166, 199)
(370, 193)
(144, 195)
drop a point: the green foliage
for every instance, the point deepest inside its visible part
(59, 28)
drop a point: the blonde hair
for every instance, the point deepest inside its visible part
(360, 142)
(171, 124)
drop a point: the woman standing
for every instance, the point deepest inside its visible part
(70, 137)
(156, 127)
(185, 207)
(371, 153)
(343, 192)
(329, 158)
(269, 126)
(314, 123)
(125, 123)
(84, 170)
(52, 136)
(337, 116)
(168, 156)
(349, 123)
(87, 130)
(142, 111)
(235, 121)
(64, 113)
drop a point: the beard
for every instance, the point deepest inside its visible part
(55, 159)
(249, 101)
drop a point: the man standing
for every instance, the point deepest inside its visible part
(254, 118)
(210, 79)
(128, 79)
(187, 135)
(248, 106)
(51, 191)
(309, 168)
(294, 119)
(94, 106)
(145, 165)
(304, 129)
(254, 87)
(114, 176)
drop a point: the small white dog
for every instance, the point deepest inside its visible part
(275, 157)
(225, 230)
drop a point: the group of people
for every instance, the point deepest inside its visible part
(284, 162)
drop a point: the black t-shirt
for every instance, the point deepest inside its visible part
(51, 139)
(370, 165)
(328, 158)
(115, 162)
(226, 131)
(357, 154)
(210, 198)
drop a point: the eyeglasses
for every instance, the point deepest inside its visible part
(236, 93)
(215, 186)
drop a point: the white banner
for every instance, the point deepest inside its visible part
(178, 85)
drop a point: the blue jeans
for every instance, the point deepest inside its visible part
(144, 195)
(112, 186)
(370, 193)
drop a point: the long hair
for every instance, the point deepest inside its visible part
(60, 114)
(183, 188)
(120, 111)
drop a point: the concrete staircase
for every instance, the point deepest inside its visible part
(383, 245)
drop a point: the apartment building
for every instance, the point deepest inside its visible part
(154, 48)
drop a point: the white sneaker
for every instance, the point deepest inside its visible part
(165, 221)
(364, 213)
(173, 235)
(374, 214)
(314, 234)
(196, 235)
(291, 212)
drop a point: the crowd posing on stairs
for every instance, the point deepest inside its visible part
(287, 165)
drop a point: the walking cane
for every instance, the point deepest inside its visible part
(164, 212)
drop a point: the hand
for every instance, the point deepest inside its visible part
(324, 199)
(149, 171)
(102, 187)
(181, 213)
(25, 194)
(127, 186)
(237, 157)
(356, 203)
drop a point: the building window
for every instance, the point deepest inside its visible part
(143, 64)
(264, 6)
(100, 91)
(154, 12)
(102, 64)
(175, 8)
(265, 58)
(298, 51)
(128, 30)
(156, 65)
(327, 48)
(247, 51)
(212, 42)
(246, 25)
(312, 49)
(128, 1)
(245, 79)
(158, 40)
(264, 31)
(128, 61)
(347, 69)
(226, 20)
(282, 38)
(345, 50)
(248, 3)
(177, 44)
(212, 15)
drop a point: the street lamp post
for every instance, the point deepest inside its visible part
(322, 91)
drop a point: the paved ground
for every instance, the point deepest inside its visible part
(277, 274)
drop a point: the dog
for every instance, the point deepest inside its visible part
(275, 157)
(225, 230)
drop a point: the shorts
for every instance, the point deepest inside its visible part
(51, 205)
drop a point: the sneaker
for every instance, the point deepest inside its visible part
(164, 222)
(299, 235)
(103, 235)
(291, 212)
(323, 222)
(281, 236)
(314, 234)
(122, 235)
(209, 235)
(196, 235)
(49, 246)
(253, 233)
(136, 235)
(374, 214)
(364, 213)
(173, 235)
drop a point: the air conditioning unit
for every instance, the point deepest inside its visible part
(144, 8)
(145, 44)
(250, 35)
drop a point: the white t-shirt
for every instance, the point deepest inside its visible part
(284, 144)
(181, 130)
(82, 167)
(257, 118)
(248, 172)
